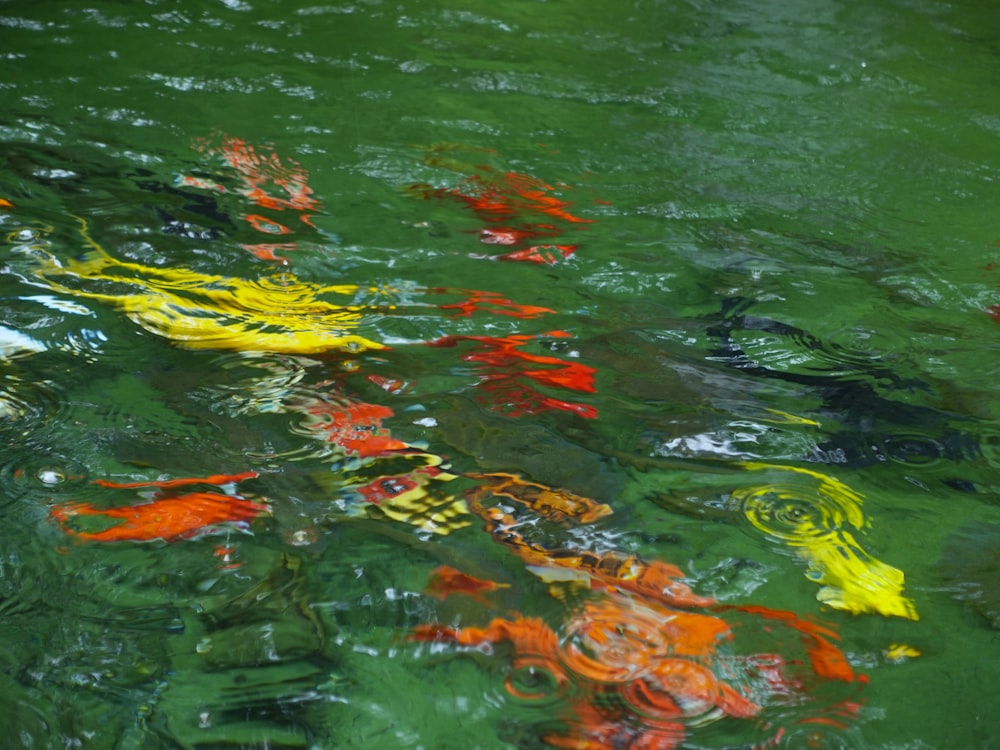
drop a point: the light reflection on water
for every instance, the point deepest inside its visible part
(621, 252)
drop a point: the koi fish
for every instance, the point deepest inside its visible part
(552, 504)
(810, 512)
(494, 302)
(499, 196)
(507, 365)
(508, 202)
(267, 181)
(278, 313)
(826, 659)
(166, 518)
(417, 497)
(611, 570)
(547, 254)
(263, 174)
(169, 519)
(446, 580)
(356, 427)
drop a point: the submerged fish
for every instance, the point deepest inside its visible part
(517, 208)
(168, 519)
(277, 313)
(269, 182)
(162, 518)
(446, 580)
(812, 513)
(635, 666)
(509, 374)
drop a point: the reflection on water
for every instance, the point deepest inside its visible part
(497, 377)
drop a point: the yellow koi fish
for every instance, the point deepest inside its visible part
(277, 313)
(812, 513)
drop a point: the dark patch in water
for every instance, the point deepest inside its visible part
(970, 566)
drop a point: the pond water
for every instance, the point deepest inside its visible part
(500, 375)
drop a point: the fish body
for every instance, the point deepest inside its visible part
(168, 519)
(276, 313)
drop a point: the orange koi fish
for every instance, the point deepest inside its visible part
(269, 182)
(625, 658)
(542, 254)
(263, 174)
(355, 427)
(507, 365)
(494, 302)
(552, 504)
(827, 660)
(511, 204)
(505, 353)
(446, 580)
(169, 519)
(647, 672)
(499, 196)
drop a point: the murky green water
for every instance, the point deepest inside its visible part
(729, 268)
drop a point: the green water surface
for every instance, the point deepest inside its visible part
(789, 257)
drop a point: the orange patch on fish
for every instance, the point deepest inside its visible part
(643, 667)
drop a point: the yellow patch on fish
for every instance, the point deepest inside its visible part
(900, 652)
(784, 417)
